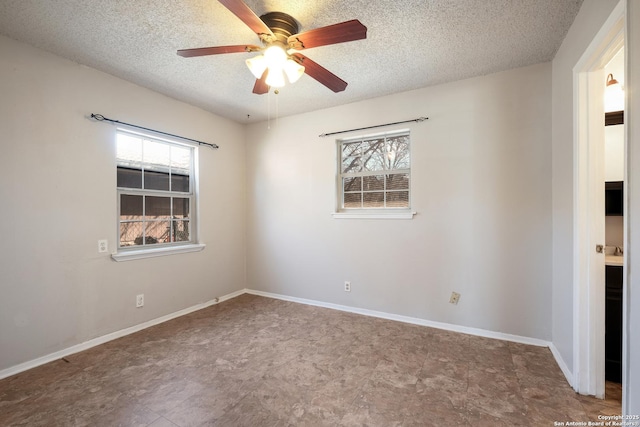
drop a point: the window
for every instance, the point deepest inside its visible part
(375, 172)
(156, 192)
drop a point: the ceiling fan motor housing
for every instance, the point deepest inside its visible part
(282, 25)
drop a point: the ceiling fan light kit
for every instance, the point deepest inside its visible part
(281, 40)
(257, 65)
(293, 70)
(275, 78)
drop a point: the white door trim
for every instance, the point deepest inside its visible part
(588, 303)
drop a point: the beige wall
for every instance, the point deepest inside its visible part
(481, 187)
(56, 290)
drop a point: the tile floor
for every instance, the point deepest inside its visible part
(254, 361)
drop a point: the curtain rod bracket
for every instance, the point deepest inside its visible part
(101, 118)
(418, 120)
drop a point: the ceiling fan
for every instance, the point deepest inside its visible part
(280, 39)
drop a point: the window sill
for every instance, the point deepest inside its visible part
(374, 215)
(156, 252)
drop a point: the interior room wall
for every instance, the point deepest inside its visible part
(614, 153)
(590, 18)
(614, 231)
(58, 197)
(481, 187)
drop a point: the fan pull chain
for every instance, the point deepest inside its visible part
(275, 92)
(277, 106)
(269, 110)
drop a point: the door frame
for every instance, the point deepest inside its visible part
(588, 267)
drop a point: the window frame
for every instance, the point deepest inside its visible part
(125, 253)
(385, 212)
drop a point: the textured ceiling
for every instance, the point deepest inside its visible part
(410, 44)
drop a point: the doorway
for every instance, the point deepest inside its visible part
(614, 161)
(589, 202)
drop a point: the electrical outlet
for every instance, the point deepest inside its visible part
(455, 297)
(139, 300)
(347, 286)
(103, 245)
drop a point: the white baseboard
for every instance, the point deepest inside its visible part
(439, 325)
(561, 363)
(413, 320)
(112, 336)
(406, 319)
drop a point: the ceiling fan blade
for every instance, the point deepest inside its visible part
(261, 86)
(246, 15)
(332, 34)
(320, 73)
(217, 50)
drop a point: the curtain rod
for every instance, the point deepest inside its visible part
(419, 119)
(101, 118)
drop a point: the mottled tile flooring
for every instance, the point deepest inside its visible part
(254, 361)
